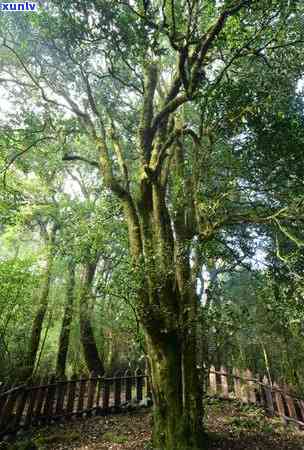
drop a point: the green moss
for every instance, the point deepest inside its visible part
(42, 441)
(109, 436)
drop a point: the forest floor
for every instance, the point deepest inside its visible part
(230, 426)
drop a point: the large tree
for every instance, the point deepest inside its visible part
(156, 91)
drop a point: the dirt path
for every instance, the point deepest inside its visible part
(231, 427)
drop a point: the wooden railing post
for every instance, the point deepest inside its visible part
(32, 395)
(99, 392)
(259, 391)
(244, 388)
(3, 399)
(139, 385)
(71, 394)
(106, 394)
(92, 390)
(50, 399)
(128, 386)
(61, 391)
(290, 403)
(301, 407)
(279, 402)
(6, 419)
(148, 383)
(224, 382)
(237, 384)
(268, 396)
(212, 381)
(41, 394)
(117, 390)
(22, 398)
(82, 391)
(250, 386)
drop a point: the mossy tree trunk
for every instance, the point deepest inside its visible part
(90, 350)
(166, 219)
(178, 410)
(161, 238)
(64, 337)
(169, 315)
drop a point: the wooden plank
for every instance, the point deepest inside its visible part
(12, 388)
(244, 387)
(279, 401)
(106, 394)
(237, 384)
(45, 405)
(117, 390)
(32, 394)
(128, 386)
(212, 381)
(4, 388)
(7, 417)
(41, 392)
(224, 382)
(250, 386)
(71, 395)
(20, 408)
(82, 391)
(99, 392)
(301, 407)
(259, 391)
(290, 403)
(139, 385)
(91, 391)
(3, 400)
(49, 399)
(148, 384)
(268, 396)
(59, 403)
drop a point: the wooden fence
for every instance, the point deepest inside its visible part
(24, 406)
(243, 386)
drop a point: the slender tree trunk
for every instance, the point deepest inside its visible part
(92, 358)
(266, 360)
(41, 312)
(64, 338)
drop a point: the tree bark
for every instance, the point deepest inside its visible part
(175, 381)
(92, 358)
(169, 317)
(64, 337)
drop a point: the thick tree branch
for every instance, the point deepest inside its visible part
(120, 156)
(145, 135)
(69, 157)
(167, 110)
(33, 79)
(21, 153)
(203, 48)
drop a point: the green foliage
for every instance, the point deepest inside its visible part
(18, 281)
(234, 173)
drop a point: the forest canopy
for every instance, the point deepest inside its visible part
(152, 195)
